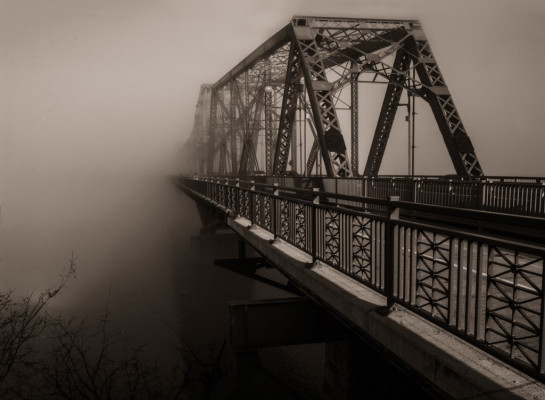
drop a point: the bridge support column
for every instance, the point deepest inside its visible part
(351, 369)
(211, 218)
(348, 369)
(255, 325)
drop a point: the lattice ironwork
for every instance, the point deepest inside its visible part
(305, 68)
(233, 127)
(432, 274)
(251, 101)
(212, 132)
(228, 198)
(300, 227)
(222, 197)
(232, 199)
(258, 215)
(245, 203)
(388, 112)
(436, 93)
(267, 213)
(332, 237)
(361, 248)
(323, 107)
(269, 135)
(284, 219)
(287, 116)
(354, 121)
(514, 304)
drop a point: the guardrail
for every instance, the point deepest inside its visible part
(511, 195)
(485, 288)
(521, 196)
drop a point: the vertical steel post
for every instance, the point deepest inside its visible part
(354, 120)
(315, 201)
(275, 208)
(252, 202)
(268, 122)
(392, 216)
(482, 194)
(541, 348)
(236, 198)
(233, 126)
(212, 134)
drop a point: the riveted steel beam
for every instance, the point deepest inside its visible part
(287, 115)
(262, 95)
(320, 97)
(387, 114)
(436, 93)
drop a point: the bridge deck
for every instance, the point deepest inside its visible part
(480, 283)
(449, 363)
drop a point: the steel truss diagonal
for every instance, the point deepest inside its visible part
(292, 105)
(320, 93)
(397, 79)
(287, 116)
(435, 91)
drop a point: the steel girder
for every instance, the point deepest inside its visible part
(387, 113)
(435, 92)
(269, 135)
(295, 81)
(212, 137)
(320, 94)
(195, 152)
(287, 116)
(354, 120)
(233, 127)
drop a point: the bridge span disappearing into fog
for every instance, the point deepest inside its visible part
(443, 273)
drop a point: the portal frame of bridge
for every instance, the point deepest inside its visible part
(286, 96)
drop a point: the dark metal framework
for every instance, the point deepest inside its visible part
(278, 112)
(485, 287)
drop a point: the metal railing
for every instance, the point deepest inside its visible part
(511, 195)
(485, 288)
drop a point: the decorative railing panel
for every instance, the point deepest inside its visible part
(481, 286)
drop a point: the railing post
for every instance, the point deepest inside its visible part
(482, 194)
(541, 346)
(315, 201)
(336, 192)
(226, 195)
(236, 197)
(276, 193)
(450, 199)
(365, 192)
(389, 273)
(252, 202)
(218, 192)
(541, 211)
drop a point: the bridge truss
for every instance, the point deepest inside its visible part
(290, 107)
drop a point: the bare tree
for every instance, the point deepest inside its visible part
(91, 363)
(206, 370)
(20, 323)
(77, 360)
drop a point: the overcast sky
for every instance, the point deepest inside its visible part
(110, 86)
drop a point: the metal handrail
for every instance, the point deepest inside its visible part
(485, 288)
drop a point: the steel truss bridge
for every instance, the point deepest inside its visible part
(268, 152)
